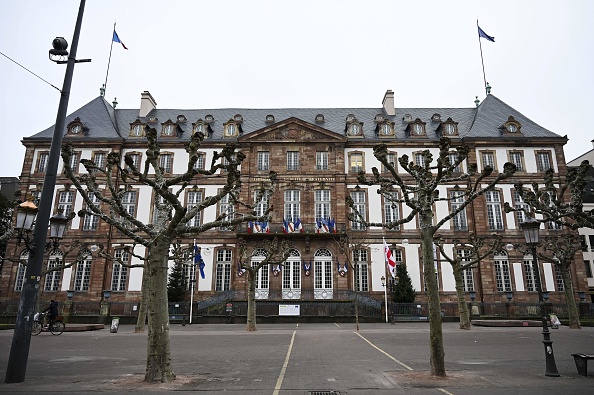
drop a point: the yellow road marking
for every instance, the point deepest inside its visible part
(279, 381)
(383, 352)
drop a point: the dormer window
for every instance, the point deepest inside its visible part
(199, 127)
(436, 117)
(418, 129)
(181, 118)
(355, 128)
(168, 130)
(152, 119)
(136, 130)
(512, 126)
(350, 118)
(209, 119)
(238, 118)
(449, 129)
(386, 129)
(269, 118)
(230, 129)
(407, 118)
(319, 118)
(379, 118)
(75, 127)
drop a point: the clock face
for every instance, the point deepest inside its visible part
(168, 130)
(75, 129)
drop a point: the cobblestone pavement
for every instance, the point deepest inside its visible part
(290, 359)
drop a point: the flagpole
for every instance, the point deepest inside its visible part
(109, 61)
(193, 274)
(482, 61)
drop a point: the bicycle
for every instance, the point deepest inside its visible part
(56, 327)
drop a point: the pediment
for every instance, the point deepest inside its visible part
(291, 130)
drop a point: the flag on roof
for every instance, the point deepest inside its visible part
(116, 39)
(482, 34)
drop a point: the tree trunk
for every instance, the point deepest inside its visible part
(436, 350)
(139, 328)
(462, 306)
(158, 362)
(251, 306)
(574, 317)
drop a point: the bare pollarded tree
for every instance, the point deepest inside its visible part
(420, 192)
(272, 252)
(106, 197)
(467, 254)
(558, 203)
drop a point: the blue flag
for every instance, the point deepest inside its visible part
(199, 261)
(482, 34)
(116, 39)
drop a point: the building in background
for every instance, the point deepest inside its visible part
(8, 186)
(587, 234)
(317, 153)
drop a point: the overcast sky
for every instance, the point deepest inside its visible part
(280, 54)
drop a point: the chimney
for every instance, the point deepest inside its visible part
(147, 104)
(388, 103)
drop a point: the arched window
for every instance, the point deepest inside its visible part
(82, 277)
(502, 273)
(20, 278)
(262, 276)
(52, 278)
(323, 274)
(292, 276)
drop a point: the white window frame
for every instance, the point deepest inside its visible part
(321, 160)
(194, 198)
(119, 273)
(360, 203)
(292, 204)
(292, 160)
(263, 161)
(494, 213)
(322, 204)
(223, 270)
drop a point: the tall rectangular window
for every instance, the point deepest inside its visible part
(559, 279)
(552, 225)
(263, 160)
(494, 214)
(529, 274)
(292, 204)
(129, 202)
(74, 161)
(292, 277)
(543, 161)
(361, 206)
(65, 199)
(194, 198)
(82, 277)
(42, 162)
(588, 269)
(452, 157)
(223, 271)
(356, 162)
(52, 278)
(467, 276)
(519, 203)
(391, 209)
(91, 222)
(502, 276)
(517, 158)
(391, 158)
(99, 160)
(166, 163)
(20, 278)
(360, 260)
(292, 160)
(321, 160)
(119, 274)
(322, 204)
(226, 208)
(261, 201)
(419, 159)
(459, 221)
(488, 159)
(135, 159)
(200, 162)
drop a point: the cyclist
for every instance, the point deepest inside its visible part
(52, 310)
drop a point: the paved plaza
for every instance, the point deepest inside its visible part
(288, 359)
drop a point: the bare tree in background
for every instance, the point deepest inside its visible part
(467, 255)
(420, 194)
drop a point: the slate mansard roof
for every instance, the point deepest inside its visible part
(103, 122)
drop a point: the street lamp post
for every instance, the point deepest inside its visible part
(385, 296)
(531, 228)
(21, 340)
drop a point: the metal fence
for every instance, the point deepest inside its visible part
(368, 307)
